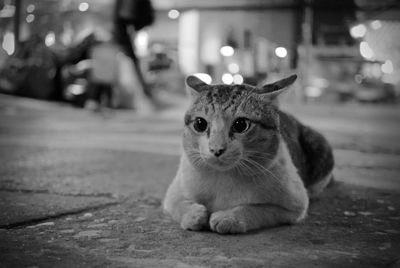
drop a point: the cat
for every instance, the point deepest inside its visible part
(245, 164)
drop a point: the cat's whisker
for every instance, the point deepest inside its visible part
(262, 168)
(258, 152)
(259, 158)
(245, 170)
(195, 158)
(253, 172)
(259, 155)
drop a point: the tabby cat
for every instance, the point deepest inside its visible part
(246, 164)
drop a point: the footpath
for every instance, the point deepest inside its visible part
(79, 189)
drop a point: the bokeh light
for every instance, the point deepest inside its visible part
(281, 52)
(233, 68)
(358, 31)
(83, 6)
(237, 79)
(173, 14)
(387, 67)
(227, 78)
(30, 8)
(376, 24)
(9, 43)
(50, 39)
(366, 51)
(227, 51)
(30, 18)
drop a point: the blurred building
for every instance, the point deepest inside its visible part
(231, 39)
(253, 40)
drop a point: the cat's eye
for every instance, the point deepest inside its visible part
(241, 125)
(200, 124)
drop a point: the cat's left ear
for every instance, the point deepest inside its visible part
(269, 92)
(194, 86)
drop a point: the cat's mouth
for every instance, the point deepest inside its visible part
(219, 164)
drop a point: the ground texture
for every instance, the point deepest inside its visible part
(84, 190)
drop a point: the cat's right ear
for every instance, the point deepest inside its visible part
(194, 86)
(270, 92)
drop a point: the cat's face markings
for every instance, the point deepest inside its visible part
(220, 127)
(228, 126)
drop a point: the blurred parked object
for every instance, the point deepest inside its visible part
(30, 71)
(375, 91)
(75, 82)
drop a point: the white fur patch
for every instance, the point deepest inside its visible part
(298, 196)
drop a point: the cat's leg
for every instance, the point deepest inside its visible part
(291, 208)
(191, 215)
(251, 217)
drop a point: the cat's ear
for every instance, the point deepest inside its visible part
(194, 86)
(270, 92)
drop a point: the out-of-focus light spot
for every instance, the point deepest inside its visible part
(173, 14)
(313, 92)
(227, 51)
(366, 51)
(142, 38)
(376, 24)
(9, 43)
(83, 6)
(233, 68)
(227, 79)
(30, 18)
(358, 31)
(358, 78)
(76, 89)
(50, 39)
(281, 52)
(206, 78)
(142, 42)
(30, 8)
(387, 67)
(237, 79)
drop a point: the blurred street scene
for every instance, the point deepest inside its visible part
(343, 52)
(91, 113)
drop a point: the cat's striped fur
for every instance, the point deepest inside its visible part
(233, 181)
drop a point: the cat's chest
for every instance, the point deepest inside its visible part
(223, 191)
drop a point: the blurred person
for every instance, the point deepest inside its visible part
(103, 75)
(136, 13)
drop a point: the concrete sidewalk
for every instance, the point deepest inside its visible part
(82, 190)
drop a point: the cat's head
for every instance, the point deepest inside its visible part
(232, 127)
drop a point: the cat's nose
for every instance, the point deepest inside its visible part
(217, 151)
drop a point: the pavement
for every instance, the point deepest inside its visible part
(82, 189)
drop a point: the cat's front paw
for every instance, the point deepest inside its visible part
(225, 222)
(196, 218)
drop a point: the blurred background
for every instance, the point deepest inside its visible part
(343, 51)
